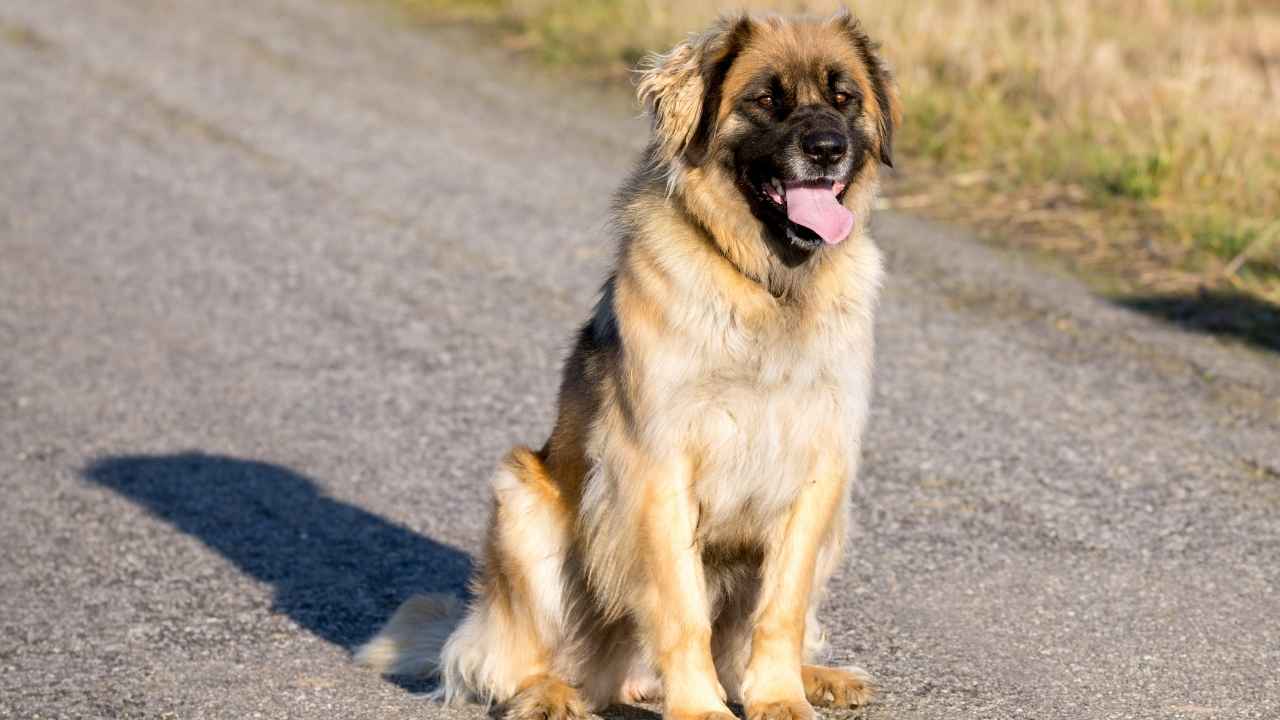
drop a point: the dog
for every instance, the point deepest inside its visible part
(673, 538)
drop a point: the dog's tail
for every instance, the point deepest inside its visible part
(412, 641)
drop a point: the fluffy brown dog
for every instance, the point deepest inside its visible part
(674, 536)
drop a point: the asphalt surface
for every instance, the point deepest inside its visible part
(280, 280)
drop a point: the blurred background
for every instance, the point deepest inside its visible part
(1136, 141)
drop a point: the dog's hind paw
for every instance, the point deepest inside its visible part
(545, 698)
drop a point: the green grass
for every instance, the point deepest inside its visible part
(1139, 178)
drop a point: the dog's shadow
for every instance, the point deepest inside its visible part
(337, 570)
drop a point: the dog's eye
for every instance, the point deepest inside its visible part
(766, 102)
(842, 99)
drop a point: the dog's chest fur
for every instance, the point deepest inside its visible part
(756, 406)
(755, 441)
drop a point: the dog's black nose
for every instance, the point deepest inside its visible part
(825, 147)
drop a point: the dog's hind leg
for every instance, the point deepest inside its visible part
(505, 648)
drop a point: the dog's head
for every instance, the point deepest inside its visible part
(794, 115)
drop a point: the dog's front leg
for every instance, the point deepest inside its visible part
(672, 609)
(773, 688)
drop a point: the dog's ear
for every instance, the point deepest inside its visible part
(681, 88)
(882, 84)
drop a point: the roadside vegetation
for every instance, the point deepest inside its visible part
(1136, 140)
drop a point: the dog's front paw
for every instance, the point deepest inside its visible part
(785, 710)
(837, 687)
(698, 715)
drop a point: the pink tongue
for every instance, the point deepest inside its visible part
(816, 207)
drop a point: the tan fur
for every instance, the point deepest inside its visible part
(672, 89)
(674, 536)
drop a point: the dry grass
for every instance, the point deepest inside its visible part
(1141, 137)
(1138, 135)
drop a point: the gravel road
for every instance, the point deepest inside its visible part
(280, 280)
